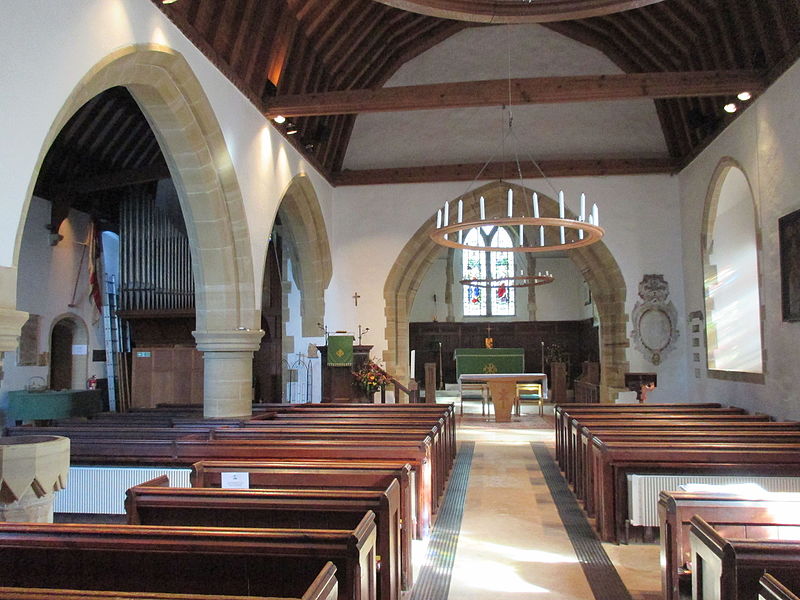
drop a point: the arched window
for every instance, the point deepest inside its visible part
(480, 300)
(731, 282)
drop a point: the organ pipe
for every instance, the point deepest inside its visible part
(155, 259)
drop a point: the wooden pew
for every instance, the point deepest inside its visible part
(327, 474)
(191, 560)
(742, 433)
(730, 569)
(155, 503)
(103, 451)
(323, 587)
(566, 434)
(559, 411)
(770, 588)
(615, 460)
(440, 457)
(732, 515)
(720, 415)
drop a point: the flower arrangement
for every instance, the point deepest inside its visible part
(371, 377)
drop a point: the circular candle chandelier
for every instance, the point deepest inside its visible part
(567, 233)
(514, 281)
(537, 233)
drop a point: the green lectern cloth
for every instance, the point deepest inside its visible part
(340, 350)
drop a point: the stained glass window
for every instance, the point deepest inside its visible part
(480, 300)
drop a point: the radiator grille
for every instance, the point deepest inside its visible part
(101, 490)
(643, 491)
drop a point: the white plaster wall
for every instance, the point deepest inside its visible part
(765, 141)
(47, 280)
(640, 215)
(47, 47)
(562, 300)
(294, 329)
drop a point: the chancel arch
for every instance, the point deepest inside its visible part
(595, 263)
(730, 245)
(180, 115)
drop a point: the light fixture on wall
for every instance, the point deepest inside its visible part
(537, 233)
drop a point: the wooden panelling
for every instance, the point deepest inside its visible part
(578, 338)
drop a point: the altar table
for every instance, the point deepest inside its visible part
(503, 389)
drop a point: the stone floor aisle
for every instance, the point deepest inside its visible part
(512, 541)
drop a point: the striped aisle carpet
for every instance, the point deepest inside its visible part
(603, 578)
(433, 582)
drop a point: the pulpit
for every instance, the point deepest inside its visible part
(337, 382)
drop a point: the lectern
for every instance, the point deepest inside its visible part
(337, 382)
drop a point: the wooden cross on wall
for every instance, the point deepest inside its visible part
(356, 297)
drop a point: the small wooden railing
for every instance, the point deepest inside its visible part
(412, 391)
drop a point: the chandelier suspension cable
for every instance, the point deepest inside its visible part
(583, 229)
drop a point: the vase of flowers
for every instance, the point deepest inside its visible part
(370, 378)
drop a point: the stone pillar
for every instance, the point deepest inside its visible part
(32, 468)
(228, 371)
(11, 320)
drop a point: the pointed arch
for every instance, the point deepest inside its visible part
(732, 277)
(180, 115)
(304, 226)
(595, 262)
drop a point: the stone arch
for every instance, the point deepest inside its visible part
(79, 367)
(710, 208)
(304, 226)
(595, 262)
(180, 115)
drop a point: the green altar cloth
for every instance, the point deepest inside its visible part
(340, 350)
(489, 360)
(51, 404)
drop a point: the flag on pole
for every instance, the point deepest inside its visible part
(95, 268)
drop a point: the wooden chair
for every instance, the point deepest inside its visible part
(529, 391)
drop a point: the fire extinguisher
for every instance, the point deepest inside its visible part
(91, 383)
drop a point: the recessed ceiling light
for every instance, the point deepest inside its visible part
(730, 107)
(291, 129)
(168, 1)
(744, 96)
(279, 119)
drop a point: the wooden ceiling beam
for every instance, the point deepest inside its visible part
(508, 170)
(539, 90)
(104, 181)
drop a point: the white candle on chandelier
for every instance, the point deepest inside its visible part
(460, 211)
(446, 213)
(521, 238)
(439, 219)
(535, 205)
(510, 202)
(483, 209)
(561, 214)
(595, 215)
(541, 235)
(582, 217)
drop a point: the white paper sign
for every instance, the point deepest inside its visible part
(80, 349)
(236, 481)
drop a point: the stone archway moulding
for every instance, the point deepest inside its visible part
(721, 172)
(304, 226)
(595, 262)
(180, 115)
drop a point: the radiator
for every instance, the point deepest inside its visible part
(101, 490)
(643, 491)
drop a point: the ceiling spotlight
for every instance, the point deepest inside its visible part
(730, 107)
(744, 96)
(279, 119)
(291, 129)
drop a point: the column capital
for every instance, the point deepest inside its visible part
(234, 340)
(11, 322)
